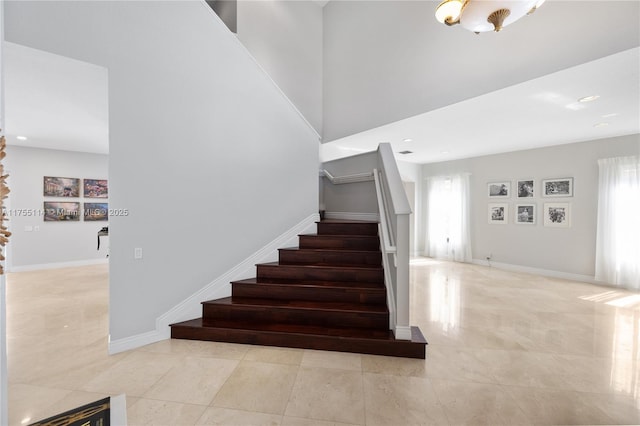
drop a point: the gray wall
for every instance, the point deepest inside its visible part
(357, 197)
(285, 37)
(209, 158)
(389, 60)
(52, 242)
(570, 250)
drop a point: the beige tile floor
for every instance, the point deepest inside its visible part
(505, 348)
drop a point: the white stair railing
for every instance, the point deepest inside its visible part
(393, 228)
(394, 210)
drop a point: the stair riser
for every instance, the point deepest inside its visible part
(302, 257)
(326, 343)
(312, 294)
(328, 228)
(339, 243)
(284, 315)
(302, 273)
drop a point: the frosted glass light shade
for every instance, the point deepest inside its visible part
(474, 17)
(449, 9)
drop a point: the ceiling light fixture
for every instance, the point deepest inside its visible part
(589, 98)
(21, 138)
(407, 140)
(484, 15)
(613, 114)
(601, 125)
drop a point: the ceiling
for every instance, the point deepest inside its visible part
(54, 101)
(541, 112)
(61, 103)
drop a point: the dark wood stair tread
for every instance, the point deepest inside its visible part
(348, 221)
(320, 284)
(299, 304)
(298, 329)
(322, 266)
(306, 337)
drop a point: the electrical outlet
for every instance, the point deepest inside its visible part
(137, 253)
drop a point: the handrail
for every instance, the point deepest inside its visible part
(387, 235)
(339, 180)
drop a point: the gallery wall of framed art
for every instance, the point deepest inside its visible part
(526, 194)
(73, 211)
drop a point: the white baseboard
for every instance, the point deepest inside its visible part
(128, 343)
(191, 307)
(402, 332)
(371, 217)
(537, 271)
(57, 265)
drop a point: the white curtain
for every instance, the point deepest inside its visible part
(618, 238)
(448, 233)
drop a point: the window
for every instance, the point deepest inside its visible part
(618, 239)
(448, 234)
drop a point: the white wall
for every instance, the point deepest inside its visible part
(389, 60)
(567, 250)
(209, 158)
(285, 37)
(50, 243)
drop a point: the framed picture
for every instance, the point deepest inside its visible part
(95, 188)
(61, 187)
(562, 187)
(498, 213)
(557, 215)
(499, 189)
(61, 212)
(526, 188)
(525, 214)
(96, 212)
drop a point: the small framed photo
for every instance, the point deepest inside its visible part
(61, 212)
(61, 187)
(557, 215)
(499, 189)
(498, 213)
(526, 188)
(96, 188)
(96, 212)
(561, 187)
(525, 214)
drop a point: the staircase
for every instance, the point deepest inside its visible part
(328, 294)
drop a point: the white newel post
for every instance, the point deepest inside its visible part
(403, 328)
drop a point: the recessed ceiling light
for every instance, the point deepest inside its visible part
(444, 152)
(589, 98)
(601, 125)
(21, 138)
(407, 140)
(614, 114)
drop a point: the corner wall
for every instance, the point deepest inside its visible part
(565, 250)
(50, 244)
(210, 159)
